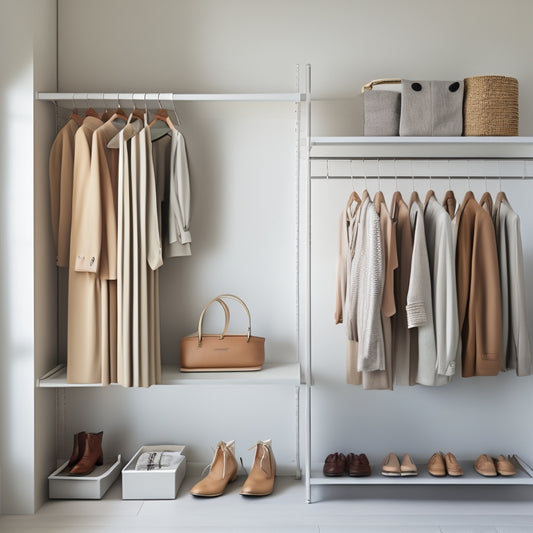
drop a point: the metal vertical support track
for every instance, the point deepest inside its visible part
(298, 129)
(307, 298)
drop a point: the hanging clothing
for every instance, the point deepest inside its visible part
(478, 290)
(104, 167)
(419, 298)
(516, 344)
(61, 170)
(441, 254)
(381, 378)
(404, 340)
(173, 185)
(140, 252)
(83, 328)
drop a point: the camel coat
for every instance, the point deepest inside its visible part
(478, 290)
(84, 296)
(404, 341)
(61, 175)
(516, 345)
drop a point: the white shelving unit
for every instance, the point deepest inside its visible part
(272, 374)
(334, 149)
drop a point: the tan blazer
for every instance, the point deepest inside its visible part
(478, 290)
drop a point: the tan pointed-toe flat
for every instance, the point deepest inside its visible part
(260, 480)
(223, 470)
(391, 465)
(408, 468)
(484, 466)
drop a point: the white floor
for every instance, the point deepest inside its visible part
(335, 510)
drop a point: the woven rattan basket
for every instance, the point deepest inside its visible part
(491, 105)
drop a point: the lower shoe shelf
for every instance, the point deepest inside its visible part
(523, 476)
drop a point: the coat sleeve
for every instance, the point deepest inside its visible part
(87, 240)
(180, 196)
(340, 295)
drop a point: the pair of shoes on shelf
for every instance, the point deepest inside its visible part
(392, 467)
(86, 453)
(441, 464)
(486, 466)
(337, 464)
(223, 470)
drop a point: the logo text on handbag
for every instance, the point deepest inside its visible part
(221, 349)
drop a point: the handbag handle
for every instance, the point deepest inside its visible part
(219, 299)
(381, 81)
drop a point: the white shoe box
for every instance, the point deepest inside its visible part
(65, 486)
(153, 484)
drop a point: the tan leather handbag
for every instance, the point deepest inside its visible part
(202, 352)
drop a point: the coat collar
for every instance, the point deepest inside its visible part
(450, 203)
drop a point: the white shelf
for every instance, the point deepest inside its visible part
(471, 477)
(163, 97)
(339, 141)
(271, 374)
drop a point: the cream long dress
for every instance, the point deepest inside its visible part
(140, 255)
(83, 329)
(61, 175)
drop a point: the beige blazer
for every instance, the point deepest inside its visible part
(61, 170)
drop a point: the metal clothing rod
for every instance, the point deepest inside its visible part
(166, 97)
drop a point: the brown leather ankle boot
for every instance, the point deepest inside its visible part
(260, 480)
(92, 456)
(223, 470)
(78, 449)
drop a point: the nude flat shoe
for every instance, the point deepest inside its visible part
(260, 480)
(504, 467)
(452, 465)
(391, 465)
(408, 468)
(484, 466)
(222, 470)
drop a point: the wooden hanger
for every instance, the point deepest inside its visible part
(162, 115)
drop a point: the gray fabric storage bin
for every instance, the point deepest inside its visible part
(432, 108)
(381, 113)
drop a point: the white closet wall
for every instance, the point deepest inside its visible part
(27, 318)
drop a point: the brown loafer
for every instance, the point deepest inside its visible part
(391, 465)
(357, 465)
(335, 464)
(504, 467)
(484, 466)
(452, 466)
(436, 465)
(408, 468)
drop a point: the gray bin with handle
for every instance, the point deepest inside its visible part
(381, 109)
